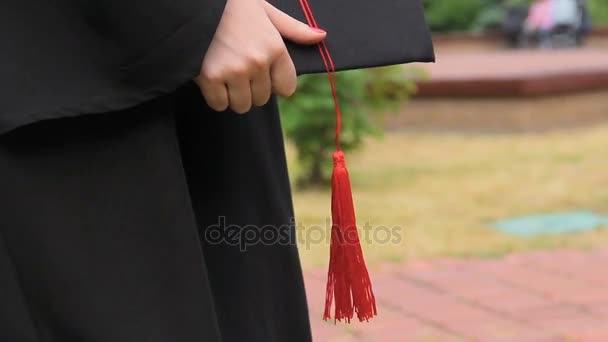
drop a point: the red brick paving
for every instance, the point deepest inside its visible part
(531, 297)
(516, 72)
(502, 64)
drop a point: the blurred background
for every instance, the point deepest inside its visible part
(483, 177)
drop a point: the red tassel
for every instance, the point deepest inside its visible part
(348, 281)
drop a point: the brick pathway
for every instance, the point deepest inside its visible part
(536, 297)
(509, 64)
(516, 73)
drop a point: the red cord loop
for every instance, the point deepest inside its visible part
(329, 67)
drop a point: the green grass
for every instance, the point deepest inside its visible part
(444, 191)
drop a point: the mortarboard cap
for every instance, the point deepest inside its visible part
(363, 33)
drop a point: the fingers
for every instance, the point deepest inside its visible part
(283, 76)
(239, 94)
(261, 88)
(215, 94)
(292, 28)
(243, 67)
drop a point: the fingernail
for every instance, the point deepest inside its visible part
(318, 30)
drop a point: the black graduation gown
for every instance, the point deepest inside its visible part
(109, 223)
(110, 228)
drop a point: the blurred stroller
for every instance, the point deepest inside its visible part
(548, 23)
(513, 23)
(567, 23)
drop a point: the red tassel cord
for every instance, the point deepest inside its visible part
(348, 282)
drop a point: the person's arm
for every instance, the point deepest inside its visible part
(163, 38)
(65, 58)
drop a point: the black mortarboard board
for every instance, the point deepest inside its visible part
(363, 33)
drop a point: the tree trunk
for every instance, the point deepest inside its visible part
(316, 178)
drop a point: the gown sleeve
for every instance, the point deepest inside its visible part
(63, 58)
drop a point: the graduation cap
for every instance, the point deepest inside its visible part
(360, 34)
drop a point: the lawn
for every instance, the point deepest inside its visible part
(445, 190)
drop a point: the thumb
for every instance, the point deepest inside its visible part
(293, 29)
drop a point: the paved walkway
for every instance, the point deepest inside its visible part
(509, 64)
(516, 73)
(536, 297)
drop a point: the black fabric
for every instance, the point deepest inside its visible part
(70, 57)
(63, 58)
(363, 33)
(104, 221)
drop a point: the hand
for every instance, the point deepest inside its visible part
(247, 60)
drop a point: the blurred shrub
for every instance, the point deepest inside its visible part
(452, 15)
(599, 12)
(487, 15)
(364, 95)
(490, 19)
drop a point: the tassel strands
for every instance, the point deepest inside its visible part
(348, 282)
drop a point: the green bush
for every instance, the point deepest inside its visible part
(484, 15)
(599, 12)
(450, 15)
(490, 19)
(309, 117)
(455, 15)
